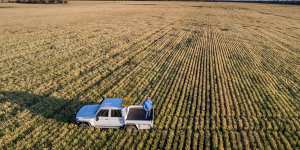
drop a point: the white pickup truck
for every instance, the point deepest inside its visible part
(110, 113)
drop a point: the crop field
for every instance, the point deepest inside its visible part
(221, 75)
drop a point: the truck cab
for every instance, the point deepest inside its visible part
(110, 113)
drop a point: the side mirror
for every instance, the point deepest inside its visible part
(97, 118)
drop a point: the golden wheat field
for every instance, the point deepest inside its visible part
(221, 75)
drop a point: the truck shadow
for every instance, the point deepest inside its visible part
(62, 110)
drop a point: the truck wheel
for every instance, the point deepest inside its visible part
(131, 128)
(83, 125)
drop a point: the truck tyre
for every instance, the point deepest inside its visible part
(131, 128)
(83, 125)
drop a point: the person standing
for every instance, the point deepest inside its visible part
(148, 107)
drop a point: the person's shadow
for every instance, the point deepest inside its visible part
(62, 110)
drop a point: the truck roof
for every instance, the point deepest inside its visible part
(112, 103)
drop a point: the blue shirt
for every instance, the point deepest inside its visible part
(148, 105)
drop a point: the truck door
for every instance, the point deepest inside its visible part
(103, 118)
(116, 118)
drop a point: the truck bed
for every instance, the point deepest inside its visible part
(139, 114)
